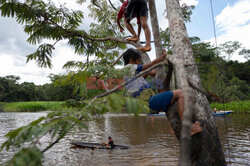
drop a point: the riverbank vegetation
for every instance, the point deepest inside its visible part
(235, 106)
(32, 106)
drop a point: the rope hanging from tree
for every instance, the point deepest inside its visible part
(222, 95)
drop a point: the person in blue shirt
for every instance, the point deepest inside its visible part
(141, 89)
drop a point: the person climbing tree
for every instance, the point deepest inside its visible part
(120, 15)
(131, 9)
(141, 89)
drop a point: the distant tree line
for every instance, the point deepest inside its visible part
(13, 91)
(227, 79)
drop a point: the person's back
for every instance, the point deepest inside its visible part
(110, 144)
(136, 85)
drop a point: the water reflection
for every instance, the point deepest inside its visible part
(149, 139)
(234, 134)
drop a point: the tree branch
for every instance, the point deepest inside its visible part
(207, 94)
(112, 5)
(86, 36)
(126, 83)
(166, 84)
(94, 3)
(157, 37)
(117, 60)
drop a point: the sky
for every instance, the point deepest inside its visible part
(232, 22)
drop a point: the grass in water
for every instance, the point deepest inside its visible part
(33, 106)
(36, 106)
(2, 104)
(235, 106)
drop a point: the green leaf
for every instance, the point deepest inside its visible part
(27, 157)
(77, 121)
(135, 106)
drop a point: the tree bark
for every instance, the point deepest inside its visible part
(157, 37)
(205, 147)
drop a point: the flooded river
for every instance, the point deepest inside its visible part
(149, 140)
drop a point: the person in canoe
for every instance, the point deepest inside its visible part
(214, 110)
(141, 89)
(110, 144)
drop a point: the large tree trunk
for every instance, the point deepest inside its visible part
(157, 38)
(161, 74)
(205, 147)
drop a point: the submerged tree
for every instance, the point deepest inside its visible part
(46, 21)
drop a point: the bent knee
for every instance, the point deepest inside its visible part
(144, 24)
(177, 93)
(127, 21)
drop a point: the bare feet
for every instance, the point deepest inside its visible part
(171, 131)
(145, 48)
(196, 128)
(133, 39)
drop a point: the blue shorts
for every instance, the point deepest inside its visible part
(160, 102)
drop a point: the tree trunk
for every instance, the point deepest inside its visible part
(205, 147)
(145, 57)
(157, 37)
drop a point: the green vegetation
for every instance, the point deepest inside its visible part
(2, 104)
(34, 106)
(13, 91)
(235, 106)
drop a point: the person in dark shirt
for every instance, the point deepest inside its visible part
(131, 9)
(110, 144)
(128, 25)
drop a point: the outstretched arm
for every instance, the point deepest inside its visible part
(120, 15)
(157, 60)
(151, 73)
(119, 24)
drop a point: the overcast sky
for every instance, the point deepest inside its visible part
(232, 19)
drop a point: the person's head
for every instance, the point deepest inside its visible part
(131, 56)
(109, 138)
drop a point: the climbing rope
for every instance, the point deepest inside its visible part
(220, 81)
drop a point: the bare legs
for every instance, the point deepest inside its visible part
(130, 28)
(144, 22)
(177, 95)
(135, 37)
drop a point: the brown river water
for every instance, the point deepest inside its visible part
(149, 140)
